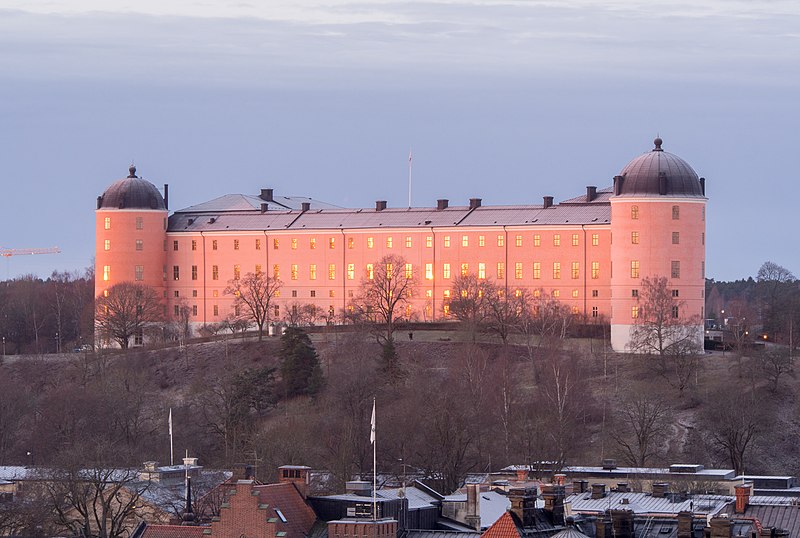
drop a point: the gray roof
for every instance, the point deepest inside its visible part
(132, 193)
(644, 503)
(417, 499)
(715, 474)
(246, 202)
(440, 534)
(783, 517)
(493, 505)
(643, 176)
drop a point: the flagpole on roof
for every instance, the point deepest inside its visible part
(171, 451)
(374, 465)
(409, 178)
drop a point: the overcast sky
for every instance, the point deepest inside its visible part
(506, 101)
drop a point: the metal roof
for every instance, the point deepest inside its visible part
(644, 503)
(782, 517)
(644, 174)
(493, 505)
(246, 202)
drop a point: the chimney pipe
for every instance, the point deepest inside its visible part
(721, 527)
(380, 205)
(474, 203)
(618, 181)
(266, 195)
(554, 495)
(264, 207)
(703, 185)
(622, 523)
(598, 491)
(442, 203)
(99, 201)
(523, 505)
(660, 490)
(548, 201)
(522, 475)
(580, 486)
(685, 524)
(743, 492)
(473, 518)
(166, 195)
(591, 193)
(305, 206)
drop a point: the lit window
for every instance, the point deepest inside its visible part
(518, 270)
(107, 244)
(634, 312)
(676, 238)
(331, 293)
(312, 271)
(331, 243)
(139, 223)
(194, 244)
(634, 212)
(215, 272)
(446, 310)
(635, 238)
(313, 243)
(276, 270)
(447, 241)
(556, 240)
(331, 271)
(501, 242)
(215, 293)
(446, 273)
(408, 241)
(370, 242)
(464, 269)
(107, 223)
(501, 270)
(595, 239)
(389, 242)
(389, 271)
(481, 241)
(235, 244)
(555, 294)
(518, 241)
(536, 295)
(428, 271)
(237, 272)
(481, 270)
(676, 269)
(446, 294)
(575, 270)
(556, 270)
(676, 212)
(213, 244)
(574, 294)
(139, 244)
(595, 269)
(409, 271)
(537, 240)
(428, 293)
(164, 276)
(194, 272)
(634, 268)
(575, 242)
(464, 240)
(370, 272)
(351, 243)
(351, 271)
(293, 272)
(176, 272)
(429, 241)
(575, 310)
(139, 272)
(175, 245)
(537, 270)
(294, 243)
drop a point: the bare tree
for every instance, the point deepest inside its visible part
(643, 419)
(302, 314)
(508, 313)
(734, 420)
(775, 362)
(470, 301)
(252, 295)
(126, 310)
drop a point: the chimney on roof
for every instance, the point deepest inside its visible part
(554, 495)
(474, 203)
(622, 487)
(743, 492)
(442, 203)
(523, 505)
(591, 193)
(548, 201)
(721, 526)
(241, 471)
(305, 206)
(266, 195)
(622, 521)
(598, 491)
(685, 524)
(559, 479)
(299, 475)
(264, 207)
(618, 181)
(473, 518)
(166, 195)
(380, 205)
(660, 490)
(703, 185)
(580, 486)
(602, 526)
(522, 474)
(99, 201)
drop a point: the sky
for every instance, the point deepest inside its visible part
(506, 101)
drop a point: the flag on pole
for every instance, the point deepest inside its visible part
(409, 156)
(372, 425)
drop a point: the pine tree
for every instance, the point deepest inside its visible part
(300, 366)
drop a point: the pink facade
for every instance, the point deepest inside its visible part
(321, 253)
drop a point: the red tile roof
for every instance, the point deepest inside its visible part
(285, 497)
(505, 527)
(172, 531)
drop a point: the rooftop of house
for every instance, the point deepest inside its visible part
(646, 503)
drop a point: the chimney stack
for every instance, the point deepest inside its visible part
(305, 206)
(266, 195)
(264, 206)
(618, 181)
(474, 203)
(602, 526)
(591, 193)
(721, 527)
(442, 203)
(166, 195)
(242, 471)
(554, 495)
(473, 518)
(622, 523)
(660, 489)
(99, 201)
(522, 475)
(743, 492)
(299, 475)
(523, 505)
(598, 491)
(685, 524)
(580, 486)
(548, 201)
(380, 205)
(703, 186)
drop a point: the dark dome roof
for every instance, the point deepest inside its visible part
(132, 193)
(658, 172)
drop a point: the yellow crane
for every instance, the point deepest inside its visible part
(8, 252)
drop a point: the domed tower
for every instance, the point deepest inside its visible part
(658, 213)
(130, 224)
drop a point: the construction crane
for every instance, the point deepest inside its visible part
(8, 252)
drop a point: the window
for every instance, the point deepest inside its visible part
(464, 240)
(313, 293)
(107, 244)
(293, 271)
(556, 240)
(575, 240)
(139, 223)
(215, 272)
(595, 293)
(594, 312)
(634, 312)
(675, 293)
(518, 241)
(464, 269)
(389, 271)
(676, 238)
(139, 244)
(447, 241)
(213, 244)
(556, 270)
(370, 272)
(429, 241)
(595, 239)
(215, 293)
(634, 212)
(481, 241)
(331, 293)
(555, 294)
(389, 242)
(428, 271)
(574, 294)
(312, 271)
(595, 270)
(676, 212)
(351, 243)
(331, 243)
(237, 272)
(537, 240)
(176, 272)
(370, 242)
(536, 294)
(703, 269)
(703, 238)
(294, 243)
(351, 271)
(446, 294)
(576, 269)
(294, 293)
(501, 242)
(216, 310)
(331, 271)
(676, 269)
(139, 272)
(428, 293)
(350, 294)
(635, 238)
(408, 241)
(194, 244)
(164, 277)
(276, 270)
(277, 310)
(107, 223)
(675, 311)
(194, 293)
(175, 245)
(482, 271)
(194, 272)
(501, 270)
(634, 268)
(409, 271)
(537, 270)
(446, 310)
(312, 243)
(446, 271)
(634, 293)
(177, 310)
(194, 310)
(518, 270)
(235, 244)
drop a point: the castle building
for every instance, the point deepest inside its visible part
(590, 252)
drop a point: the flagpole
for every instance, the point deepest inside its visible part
(409, 178)
(374, 466)
(171, 451)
